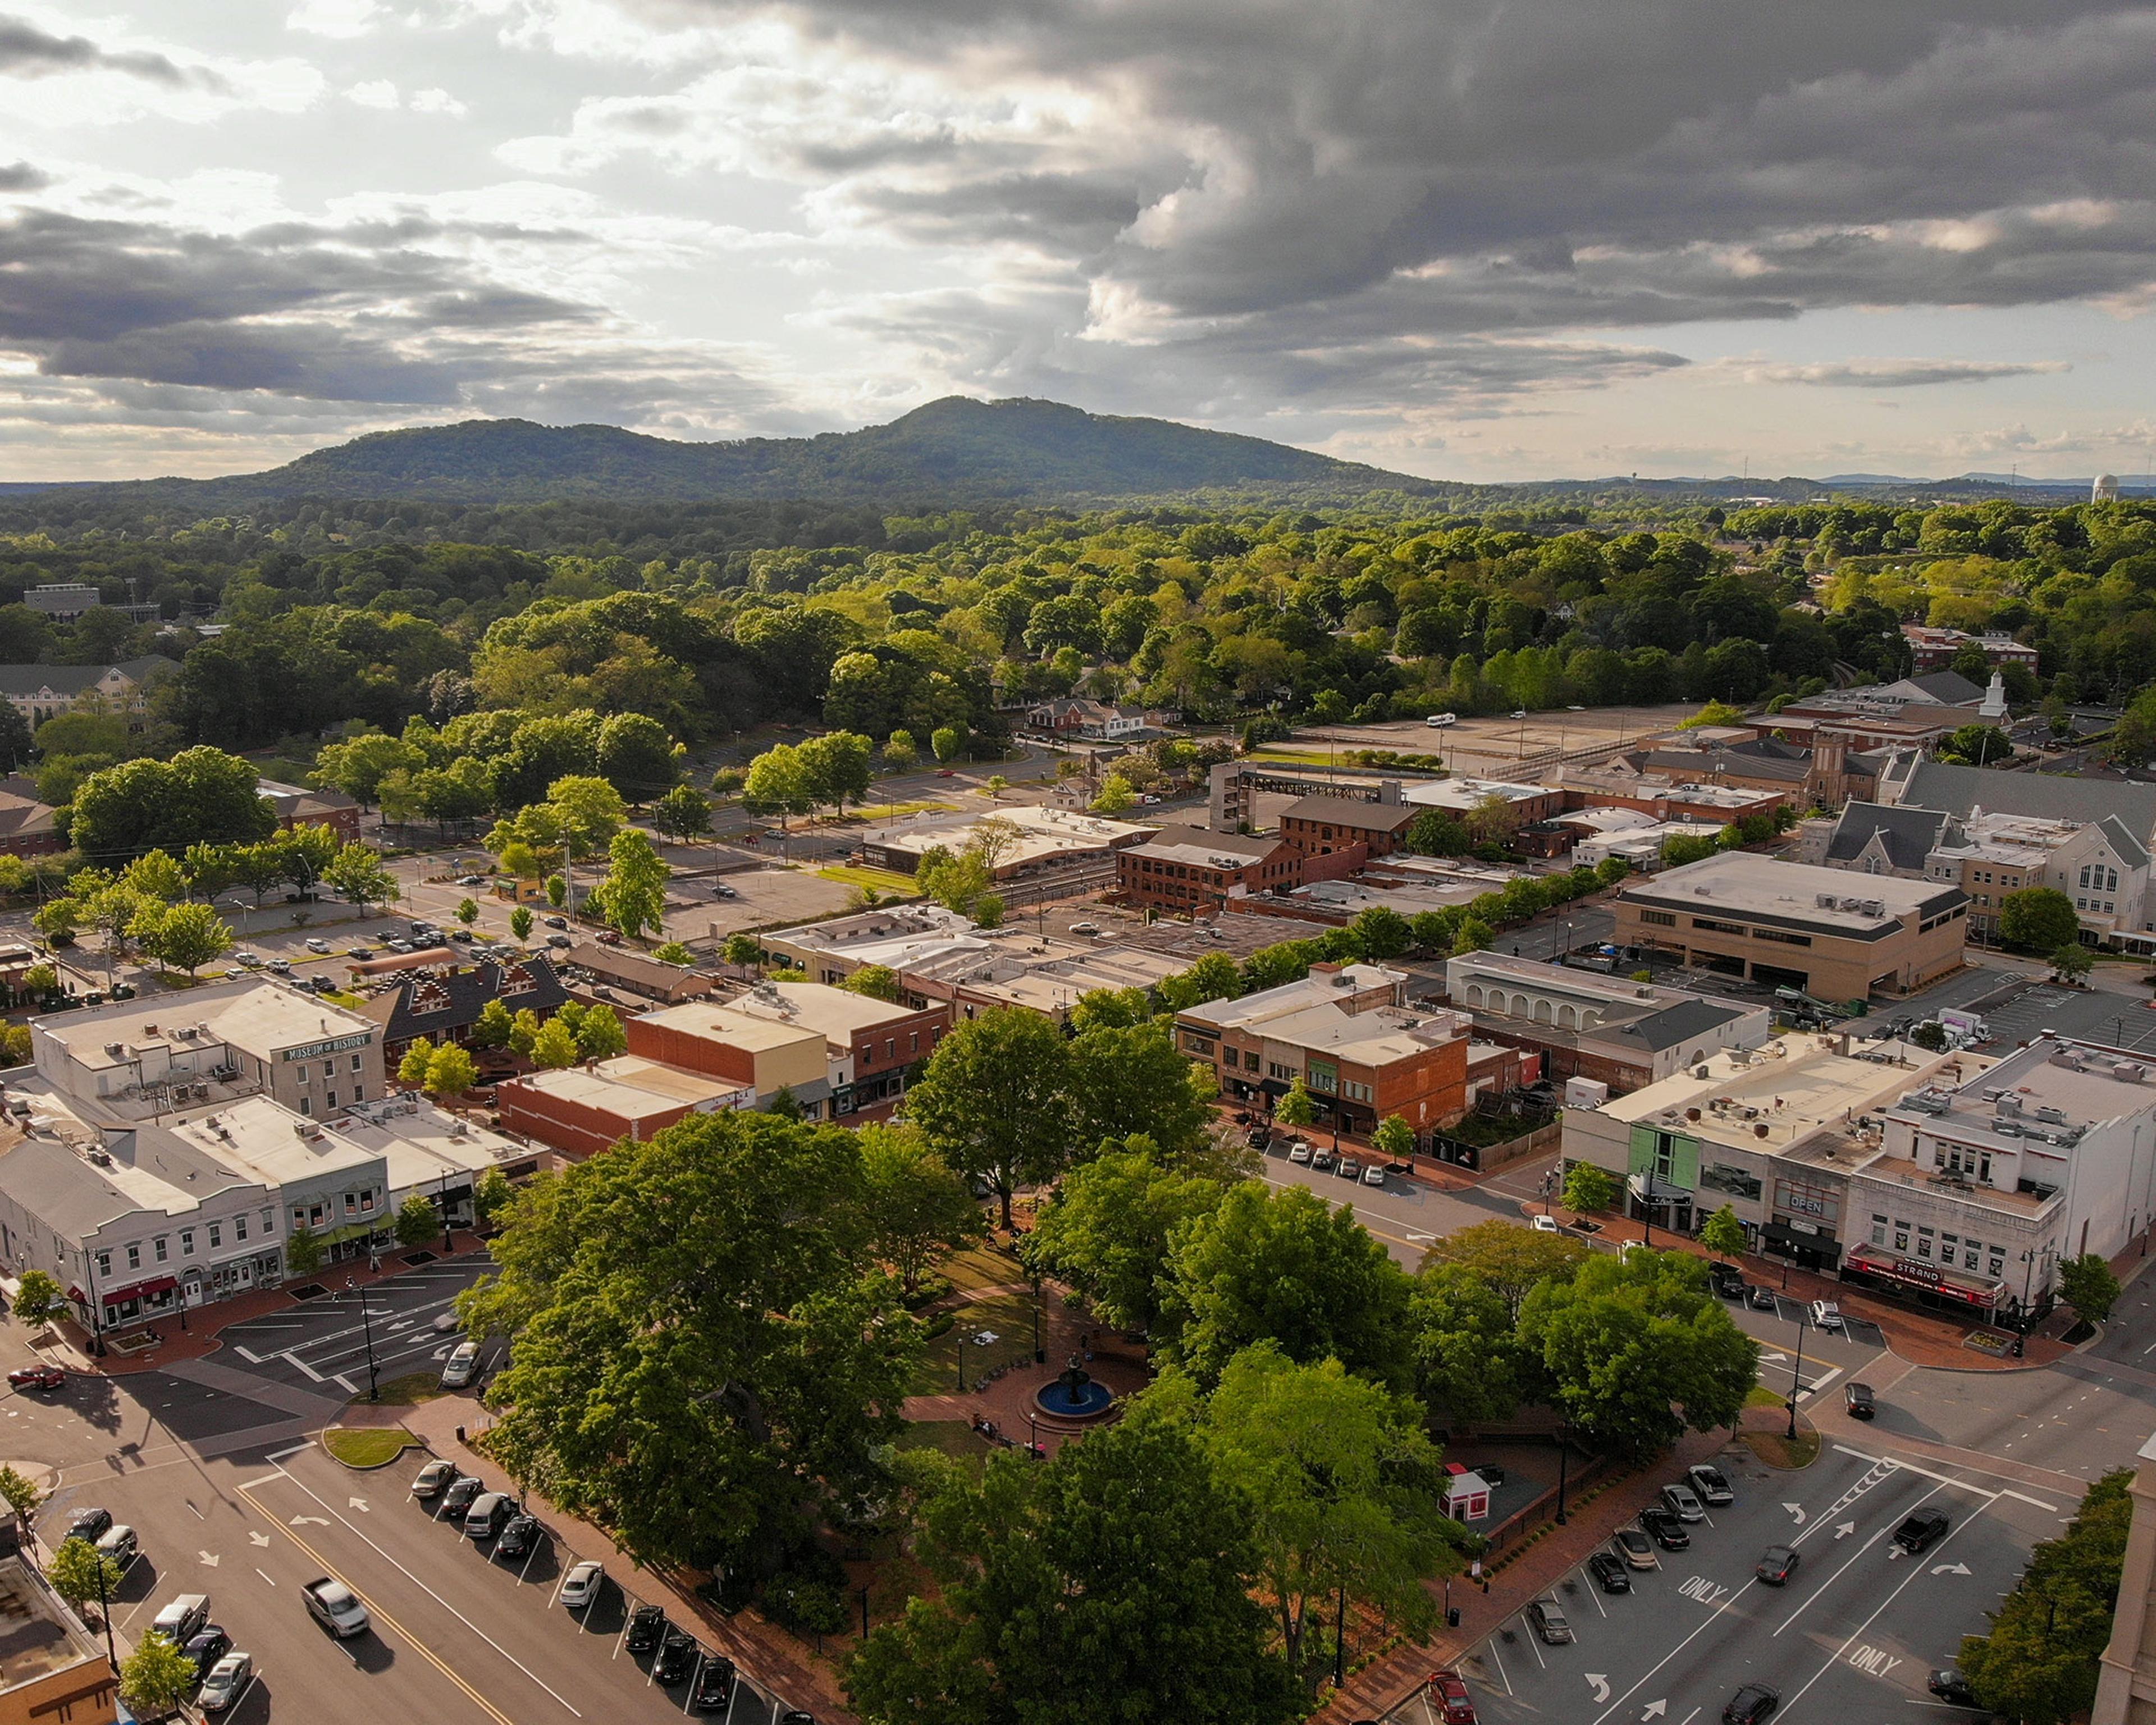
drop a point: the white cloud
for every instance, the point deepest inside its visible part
(437, 101)
(375, 93)
(342, 19)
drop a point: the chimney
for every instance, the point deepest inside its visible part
(1389, 792)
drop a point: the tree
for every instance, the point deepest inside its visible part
(1980, 745)
(1286, 1267)
(742, 949)
(1380, 933)
(837, 766)
(491, 1195)
(2087, 1284)
(556, 1045)
(1296, 1108)
(636, 756)
(524, 1032)
(682, 814)
(358, 765)
(1466, 1358)
(20, 1492)
(1123, 1083)
(707, 1354)
(918, 1205)
(2071, 962)
(1723, 1233)
(83, 1575)
(600, 1036)
(1109, 1231)
(635, 885)
(557, 891)
(877, 982)
(1474, 936)
(947, 742)
(520, 924)
(674, 952)
(1344, 1489)
(189, 936)
(1211, 977)
(988, 911)
(200, 796)
(1715, 712)
(899, 752)
(156, 1676)
(1394, 1139)
(357, 873)
(418, 1221)
(1636, 1350)
(450, 1072)
(1125, 1558)
(411, 1069)
(2038, 1663)
(303, 1254)
(491, 1029)
(467, 911)
(992, 1100)
(1116, 795)
(1588, 1188)
(38, 1300)
(2038, 919)
(779, 783)
(1509, 1260)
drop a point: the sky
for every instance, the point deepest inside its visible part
(1471, 240)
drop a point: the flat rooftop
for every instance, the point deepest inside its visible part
(1370, 1038)
(1459, 795)
(721, 1023)
(629, 1088)
(1041, 832)
(420, 1142)
(264, 1141)
(2054, 1088)
(1861, 906)
(259, 1016)
(1318, 989)
(38, 1636)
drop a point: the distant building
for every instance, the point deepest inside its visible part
(1321, 825)
(1043, 842)
(1097, 720)
(1191, 872)
(2105, 490)
(39, 692)
(1933, 649)
(68, 601)
(298, 806)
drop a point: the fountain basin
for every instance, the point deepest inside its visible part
(1079, 1402)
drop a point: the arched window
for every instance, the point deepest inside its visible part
(1519, 1006)
(1542, 1012)
(1568, 1017)
(1474, 994)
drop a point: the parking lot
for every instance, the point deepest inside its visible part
(325, 1341)
(1852, 1636)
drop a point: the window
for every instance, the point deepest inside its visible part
(366, 1200)
(186, 1242)
(134, 1255)
(913, 1044)
(306, 1104)
(299, 1216)
(300, 1074)
(104, 1263)
(1997, 1265)
(239, 1227)
(359, 1093)
(2084, 881)
(216, 1236)
(1900, 1235)
(1923, 1242)
(269, 1221)
(351, 1204)
(1714, 927)
(160, 1250)
(1968, 1255)
(1660, 919)
(331, 1102)
(355, 1065)
(1275, 1070)
(1776, 934)
(1250, 1059)
(1879, 1230)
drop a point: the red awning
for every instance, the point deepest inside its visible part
(77, 1295)
(139, 1291)
(1912, 1272)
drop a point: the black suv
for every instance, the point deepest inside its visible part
(1610, 1574)
(646, 1628)
(1727, 1279)
(714, 1692)
(676, 1653)
(1666, 1530)
(458, 1498)
(1752, 1705)
(1857, 1397)
(1920, 1530)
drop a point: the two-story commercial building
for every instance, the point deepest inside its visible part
(1320, 825)
(1187, 871)
(1793, 925)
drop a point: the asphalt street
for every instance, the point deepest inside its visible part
(1852, 1636)
(324, 1344)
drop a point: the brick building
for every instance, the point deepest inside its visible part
(1188, 871)
(1319, 825)
(581, 1110)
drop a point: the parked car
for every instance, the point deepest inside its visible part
(461, 1367)
(362, 953)
(315, 943)
(227, 1681)
(560, 941)
(1351, 1168)
(1299, 1153)
(721, 890)
(37, 1377)
(607, 938)
(1777, 1564)
(1683, 1502)
(458, 1498)
(1609, 1573)
(676, 1653)
(334, 1606)
(1952, 1688)
(582, 1585)
(555, 921)
(1549, 1620)
(714, 1692)
(1373, 1175)
(247, 960)
(1856, 1399)
(182, 1618)
(432, 1480)
(1753, 1705)
(89, 1523)
(120, 1543)
(1727, 1279)
(1760, 1299)
(1322, 1161)
(1665, 1530)
(1446, 1691)
(1637, 1550)
(646, 1628)
(281, 966)
(205, 1647)
(1826, 1315)
(796, 1716)
(463, 935)
(489, 1512)
(1547, 1225)
(1711, 1484)
(1923, 1528)
(401, 946)
(471, 880)
(518, 1536)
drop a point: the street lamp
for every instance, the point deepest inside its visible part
(2021, 1318)
(366, 1323)
(1796, 1371)
(1563, 1450)
(104, 1608)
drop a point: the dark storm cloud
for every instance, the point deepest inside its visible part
(27, 52)
(23, 176)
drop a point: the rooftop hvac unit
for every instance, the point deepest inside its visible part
(1699, 1072)
(2007, 1128)
(115, 1050)
(1822, 901)
(2009, 1104)
(2056, 1116)
(2129, 1072)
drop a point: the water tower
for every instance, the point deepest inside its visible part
(2105, 490)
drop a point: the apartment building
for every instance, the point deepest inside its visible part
(1188, 871)
(1799, 925)
(39, 692)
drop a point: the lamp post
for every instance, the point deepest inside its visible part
(449, 1241)
(96, 1305)
(367, 1325)
(1340, 1641)
(1796, 1371)
(1564, 1454)
(1039, 1353)
(104, 1608)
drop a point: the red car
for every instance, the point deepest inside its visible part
(607, 938)
(1449, 1698)
(37, 1377)
(946, 773)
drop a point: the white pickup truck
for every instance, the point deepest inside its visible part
(334, 1606)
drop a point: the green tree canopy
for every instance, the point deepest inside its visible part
(450, 1072)
(418, 1221)
(2087, 1284)
(707, 1357)
(1467, 1362)
(1723, 1233)
(1588, 1188)
(200, 796)
(38, 1300)
(635, 885)
(1510, 1260)
(2038, 919)
(1111, 1229)
(919, 1206)
(992, 1100)
(1135, 1080)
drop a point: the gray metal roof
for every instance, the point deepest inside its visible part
(1907, 833)
(53, 1183)
(2047, 796)
(2130, 850)
(1674, 1024)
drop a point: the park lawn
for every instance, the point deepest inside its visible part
(368, 1445)
(885, 880)
(1009, 1316)
(873, 810)
(1308, 757)
(954, 1438)
(978, 1267)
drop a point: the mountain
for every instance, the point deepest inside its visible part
(949, 451)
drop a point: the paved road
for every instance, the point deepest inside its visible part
(1851, 1637)
(323, 1344)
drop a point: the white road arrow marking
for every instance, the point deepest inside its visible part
(1796, 1510)
(310, 1521)
(1950, 1569)
(1844, 1529)
(1600, 1685)
(1654, 1709)
(1895, 1554)
(258, 1538)
(357, 1503)
(1768, 1360)
(209, 1557)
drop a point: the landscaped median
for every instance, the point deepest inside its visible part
(1765, 1432)
(367, 1447)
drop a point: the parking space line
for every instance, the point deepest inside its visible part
(1533, 1640)
(1504, 1677)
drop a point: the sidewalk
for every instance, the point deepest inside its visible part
(766, 1653)
(191, 1335)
